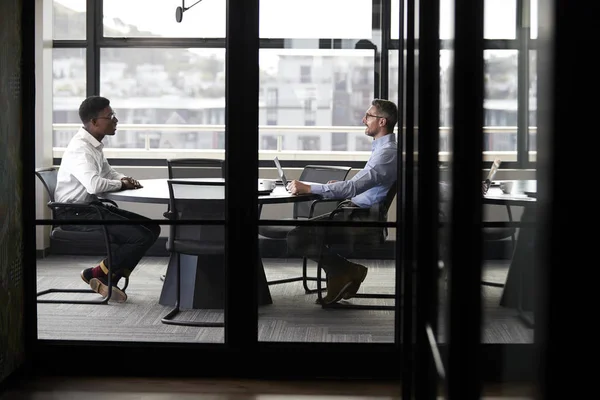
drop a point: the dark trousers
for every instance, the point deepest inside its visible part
(318, 243)
(128, 243)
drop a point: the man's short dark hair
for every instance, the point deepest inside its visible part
(389, 110)
(91, 107)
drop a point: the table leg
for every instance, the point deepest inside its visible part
(520, 288)
(203, 283)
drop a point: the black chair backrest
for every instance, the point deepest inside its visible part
(186, 204)
(389, 198)
(196, 168)
(48, 177)
(319, 174)
(381, 210)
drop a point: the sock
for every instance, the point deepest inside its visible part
(103, 267)
(101, 271)
(97, 272)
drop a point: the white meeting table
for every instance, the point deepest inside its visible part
(202, 285)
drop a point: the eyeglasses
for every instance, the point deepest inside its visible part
(111, 116)
(367, 115)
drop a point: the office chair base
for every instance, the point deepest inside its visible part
(103, 300)
(304, 281)
(492, 284)
(168, 319)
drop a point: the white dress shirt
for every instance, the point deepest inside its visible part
(84, 171)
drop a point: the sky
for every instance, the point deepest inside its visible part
(290, 18)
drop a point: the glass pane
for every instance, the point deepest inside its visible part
(445, 162)
(534, 18)
(166, 98)
(314, 100)
(533, 105)
(327, 18)
(143, 260)
(150, 295)
(136, 18)
(69, 88)
(500, 103)
(500, 19)
(69, 19)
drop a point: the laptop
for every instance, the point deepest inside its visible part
(282, 176)
(490, 177)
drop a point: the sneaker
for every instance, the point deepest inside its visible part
(100, 286)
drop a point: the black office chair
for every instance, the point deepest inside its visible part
(306, 210)
(185, 239)
(193, 168)
(378, 212)
(48, 177)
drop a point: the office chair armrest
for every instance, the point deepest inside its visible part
(349, 210)
(54, 206)
(169, 215)
(111, 202)
(314, 203)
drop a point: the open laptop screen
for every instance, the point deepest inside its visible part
(281, 173)
(488, 181)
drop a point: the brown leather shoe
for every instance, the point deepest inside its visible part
(336, 287)
(358, 274)
(100, 286)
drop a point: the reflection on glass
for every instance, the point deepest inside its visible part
(69, 19)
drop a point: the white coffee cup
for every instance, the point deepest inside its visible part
(267, 184)
(506, 187)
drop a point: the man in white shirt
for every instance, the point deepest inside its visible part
(368, 188)
(83, 174)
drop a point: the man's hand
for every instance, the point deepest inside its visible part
(130, 183)
(297, 187)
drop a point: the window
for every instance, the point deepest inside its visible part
(500, 101)
(268, 142)
(69, 18)
(165, 87)
(137, 18)
(309, 143)
(305, 74)
(314, 19)
(327, 100)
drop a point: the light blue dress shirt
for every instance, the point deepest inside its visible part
(371, 184)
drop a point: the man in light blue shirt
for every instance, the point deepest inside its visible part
(369, 187)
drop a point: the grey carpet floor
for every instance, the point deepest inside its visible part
(293, 316)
